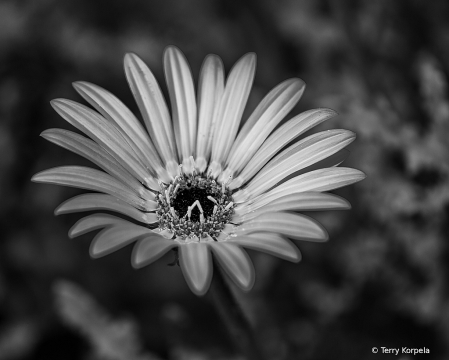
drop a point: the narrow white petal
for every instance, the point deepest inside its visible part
(294, 226)
(273, 108)
(116, 237)
(235, 262)
(270, 243)
(149, 249)
(94, 222)
(280, 138)
(298, 156)
(210, 91)
(183, 103)
(105, 134)
(331, 161)
(93, 152)
(319, 180)
(154, 110)
(235, 96)
(89, 202)
(96, 180)
(128, 125)
(196, 266)
(305, 201)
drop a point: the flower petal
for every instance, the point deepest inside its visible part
(128, 125)
(235, 262)
(116, 237)
(306, 201)
(280, 138)
(210, 91)
(270, 243)
(196, 266)
(154, 110)
(96, 180)
(150, 249)
(166, 233)
(94, 222)
(273, 108)
(93, 152)
(331, 161)
(232, 104)
(319, 180)
(106, 135)
(183, 103)
(298, 156)
(295, 226)
(89, 202)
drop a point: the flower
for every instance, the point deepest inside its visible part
(191, 181)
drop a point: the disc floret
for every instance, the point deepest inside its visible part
(194, 205)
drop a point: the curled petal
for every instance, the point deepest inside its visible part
(196, 266)
(236, 263)
(149, 249)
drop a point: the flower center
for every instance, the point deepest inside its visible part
(193, 205)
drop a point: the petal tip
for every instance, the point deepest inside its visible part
(200, 291)
(135, 262)
(248, 284)
(58, 210)
(171, 49)
(44, 133)
(81, 86)
(73, 233)
(130, 59)
(94, 253)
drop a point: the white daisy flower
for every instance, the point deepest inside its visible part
(190, 180)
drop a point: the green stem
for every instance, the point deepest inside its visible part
(232, 315)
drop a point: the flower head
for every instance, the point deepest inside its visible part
(190, 180)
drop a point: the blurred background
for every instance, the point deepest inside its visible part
(382, 280)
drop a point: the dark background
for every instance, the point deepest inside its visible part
(382, 280)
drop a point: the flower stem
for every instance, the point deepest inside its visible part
(232, 315)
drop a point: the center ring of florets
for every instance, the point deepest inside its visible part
(194, 205)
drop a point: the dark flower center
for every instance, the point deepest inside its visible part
(187, 197)
(194, 205)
